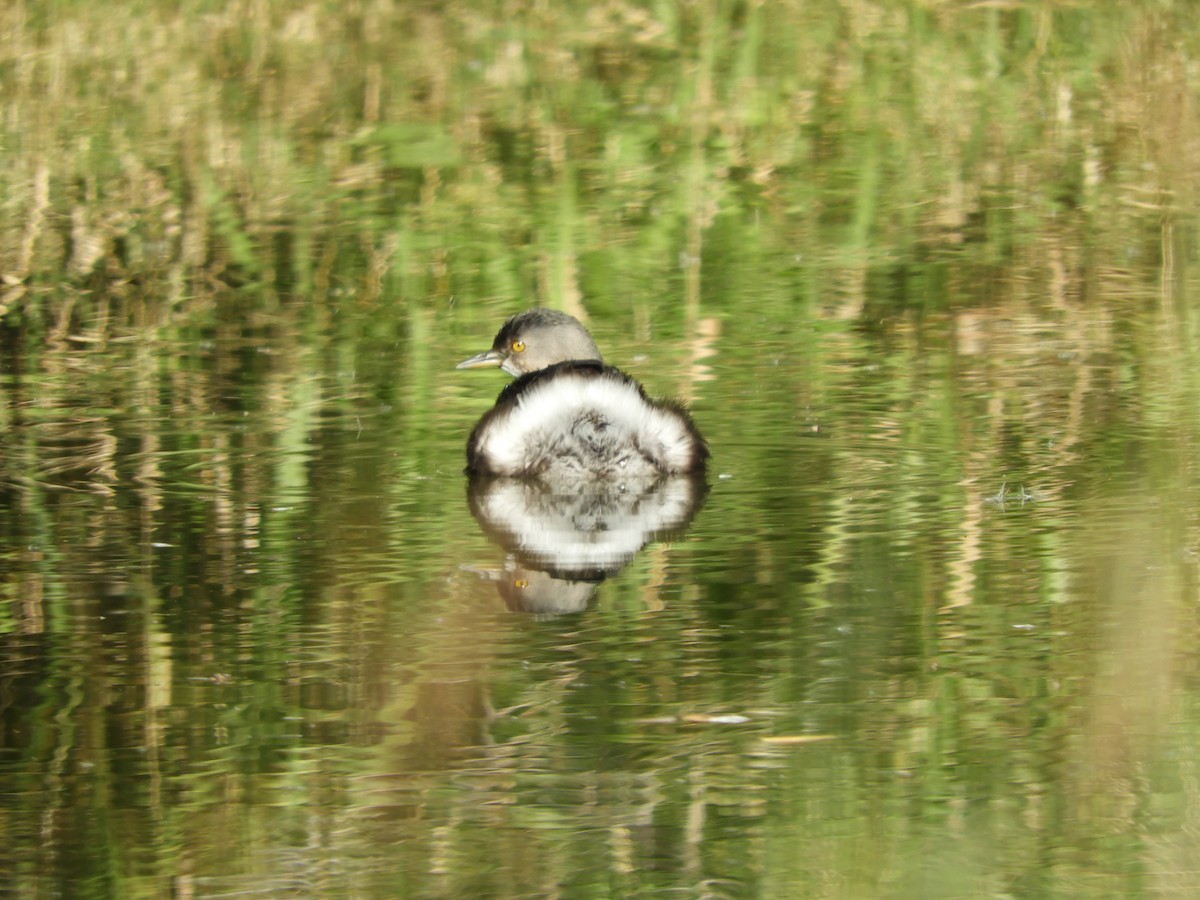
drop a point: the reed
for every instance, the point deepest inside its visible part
(481, 152)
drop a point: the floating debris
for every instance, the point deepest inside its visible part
(786, 739)
(730, 719)
(1004, 495)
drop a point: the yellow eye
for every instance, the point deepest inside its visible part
(520, 582)
(518, 346)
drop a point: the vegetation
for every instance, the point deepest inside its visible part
(923, 271)
(427, 156)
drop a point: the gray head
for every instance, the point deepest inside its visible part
(535, 339)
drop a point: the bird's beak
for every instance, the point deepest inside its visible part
(482, 360)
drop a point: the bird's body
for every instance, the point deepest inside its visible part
(568, 416)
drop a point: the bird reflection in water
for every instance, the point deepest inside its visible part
(561, 546)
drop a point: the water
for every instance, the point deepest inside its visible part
(926, 632)
(926, 629)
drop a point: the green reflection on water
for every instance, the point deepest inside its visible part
(923, 275)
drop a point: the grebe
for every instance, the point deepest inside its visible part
(569, 416)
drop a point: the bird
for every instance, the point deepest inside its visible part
(569, 416)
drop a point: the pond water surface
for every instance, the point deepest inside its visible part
(929, 626)
(929, 629)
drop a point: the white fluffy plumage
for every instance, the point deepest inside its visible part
(586, 424)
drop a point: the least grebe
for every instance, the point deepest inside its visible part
(568, 415)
